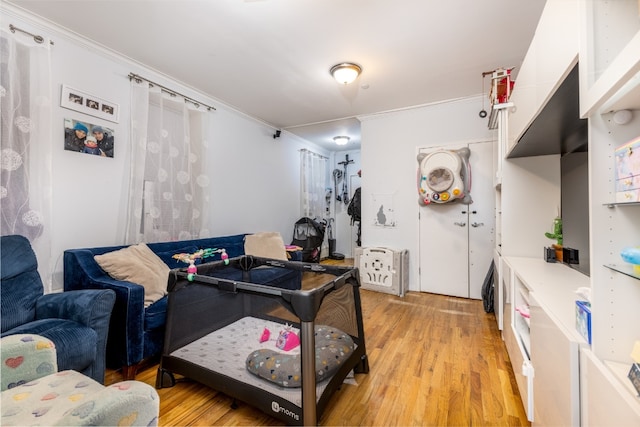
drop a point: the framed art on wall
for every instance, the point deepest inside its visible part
(82, 102)
(88, 138)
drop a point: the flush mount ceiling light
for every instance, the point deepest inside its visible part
(345, 72)
(341, 140)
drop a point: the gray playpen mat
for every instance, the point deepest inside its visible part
(225, 351)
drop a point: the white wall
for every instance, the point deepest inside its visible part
(389, 165)
(256, 182)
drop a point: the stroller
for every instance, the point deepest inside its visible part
(309, 235)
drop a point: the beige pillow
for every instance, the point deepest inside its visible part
(137, 264)
(265, 245)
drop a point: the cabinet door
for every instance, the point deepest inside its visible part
(556, 382)
(604, 401)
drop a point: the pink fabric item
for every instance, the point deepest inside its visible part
(287, 340)
(265, 335)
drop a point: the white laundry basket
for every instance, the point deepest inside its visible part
(383, 269)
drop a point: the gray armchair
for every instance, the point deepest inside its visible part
(77, 322)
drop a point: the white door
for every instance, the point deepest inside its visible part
(456, 240)
(354, 183)
(481, 216)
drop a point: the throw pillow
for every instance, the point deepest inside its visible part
(137, 264)
(265, 245)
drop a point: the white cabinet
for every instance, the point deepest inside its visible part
(542, 341)
(552, 54)
(609, 55)
(605, 401)
(556, 363)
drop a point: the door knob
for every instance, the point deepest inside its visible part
(477, 224)
(460, 224)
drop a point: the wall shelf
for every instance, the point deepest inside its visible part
(627, 270)
(614, 204)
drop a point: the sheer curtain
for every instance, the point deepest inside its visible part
(169, 185)
(25, 142)
(313, 185)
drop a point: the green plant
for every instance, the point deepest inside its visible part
(557, 231)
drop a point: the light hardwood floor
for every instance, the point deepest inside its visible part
(434, 361)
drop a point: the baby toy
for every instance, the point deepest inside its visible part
(265, 335)
(557, 231)
(191, 259)
(632, 256)
(444, 176)
(287, 339)
(557, 234)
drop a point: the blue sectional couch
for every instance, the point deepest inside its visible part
(136, 333)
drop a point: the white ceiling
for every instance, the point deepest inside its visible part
(270, 58)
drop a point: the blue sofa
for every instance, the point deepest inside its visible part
(136, 333)
(77, 322)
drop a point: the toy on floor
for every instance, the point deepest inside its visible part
(191, 259)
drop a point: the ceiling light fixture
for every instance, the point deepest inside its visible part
(345, 72)
(341, 140)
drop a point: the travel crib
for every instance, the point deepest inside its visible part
(214, 324)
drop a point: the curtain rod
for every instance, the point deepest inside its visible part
(139, 79)
(36, 38)
(314, 153)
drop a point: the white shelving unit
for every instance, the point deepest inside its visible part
(562, 379)
(610, 81)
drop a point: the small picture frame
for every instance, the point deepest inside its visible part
(82, 102)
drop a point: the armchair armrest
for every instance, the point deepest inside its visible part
(81, 271)
(135, 402)
(90, 307)
(26, 357)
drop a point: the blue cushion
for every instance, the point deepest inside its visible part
(21, 283)
(155, 315)
(16, 257)
(75, 344)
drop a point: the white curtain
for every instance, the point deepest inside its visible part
(26, 144)
(313, 185)
(169, 186)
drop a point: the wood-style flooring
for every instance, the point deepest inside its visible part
(434, 361)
